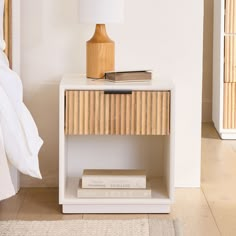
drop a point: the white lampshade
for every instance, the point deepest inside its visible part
(101, 11)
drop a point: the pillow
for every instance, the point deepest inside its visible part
(2, 42)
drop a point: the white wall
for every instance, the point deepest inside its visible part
(163, 35)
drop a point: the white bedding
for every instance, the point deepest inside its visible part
(6, 187)
(19, 139)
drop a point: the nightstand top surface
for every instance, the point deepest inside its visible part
(75, 81)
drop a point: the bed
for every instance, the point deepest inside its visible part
(19, 139)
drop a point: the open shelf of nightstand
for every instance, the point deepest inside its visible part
(159, 194)
(159, 197)
(154, 153)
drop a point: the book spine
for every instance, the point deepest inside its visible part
(108, 193)
(113, 182)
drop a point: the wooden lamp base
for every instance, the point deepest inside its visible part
(100, 53)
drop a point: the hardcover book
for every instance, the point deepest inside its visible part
(142, 75)
(113, 193)
(99, 178)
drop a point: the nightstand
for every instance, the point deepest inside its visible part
(107, 125)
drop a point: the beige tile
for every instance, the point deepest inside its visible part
(218, 161)
(218, 181)
(191, 210)
(44, 211)
(42, 204)
(114, 216)
(49, 195)
(218, 165)
(209, 131)
(39, 204)
(10, 207)
(224, 212)
(36, 210)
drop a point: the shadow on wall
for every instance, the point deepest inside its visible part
(43, 104)
(207, 61)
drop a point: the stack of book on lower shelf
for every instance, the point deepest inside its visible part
(97, 183)
(126, 76)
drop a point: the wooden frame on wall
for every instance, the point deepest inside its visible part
(11, 25)
(8, 29)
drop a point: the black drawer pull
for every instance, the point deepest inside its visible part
(117, 92)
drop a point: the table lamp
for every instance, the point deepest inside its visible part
(100, 49)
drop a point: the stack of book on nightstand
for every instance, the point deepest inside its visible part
(99, 183)
(126, 76)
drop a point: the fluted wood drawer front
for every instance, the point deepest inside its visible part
(229, 105)
(230, 59)
(230, 16)
(117, 113)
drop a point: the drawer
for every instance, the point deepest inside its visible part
(229, 106)
(230, 59)
(117, 113)
(230, 16)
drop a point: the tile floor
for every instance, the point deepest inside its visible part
(209, 211)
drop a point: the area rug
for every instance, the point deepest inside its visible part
(137, 227)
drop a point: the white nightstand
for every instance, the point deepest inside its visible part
(107, 125)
